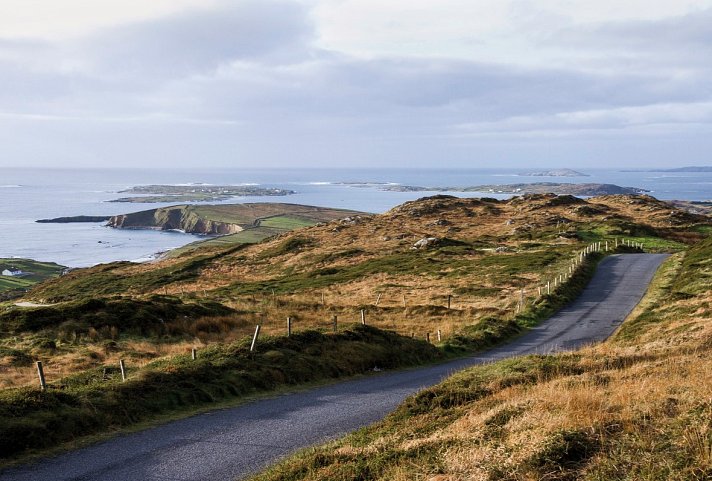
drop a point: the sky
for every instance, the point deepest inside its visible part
(355, 83)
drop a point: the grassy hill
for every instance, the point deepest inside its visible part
(637, 407)
(471, 269)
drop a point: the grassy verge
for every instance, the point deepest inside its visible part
(491, 331)
(635, 408)
(97, 400)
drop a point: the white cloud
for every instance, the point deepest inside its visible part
(55, 19)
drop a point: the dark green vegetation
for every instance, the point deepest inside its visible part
(97, 401)
(33, 272)
(196, 193)
(151, 316)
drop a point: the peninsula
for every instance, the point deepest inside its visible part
(234, 223)
(74, 218)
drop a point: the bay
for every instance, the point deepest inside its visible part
(30, 194)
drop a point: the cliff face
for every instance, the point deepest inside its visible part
(182, 218)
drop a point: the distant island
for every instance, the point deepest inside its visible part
(702, 168)
(532, 188)
(554, 173)
(152, 194)
(686, 169)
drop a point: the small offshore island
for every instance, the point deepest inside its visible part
(153, 194)
(554, 173)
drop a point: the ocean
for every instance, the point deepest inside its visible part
(27, 195)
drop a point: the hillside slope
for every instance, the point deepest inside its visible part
(635, 408)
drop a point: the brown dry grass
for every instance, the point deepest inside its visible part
(638, 407)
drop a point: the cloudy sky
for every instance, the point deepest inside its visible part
(355, 83)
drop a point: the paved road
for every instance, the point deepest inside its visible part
(232, 443)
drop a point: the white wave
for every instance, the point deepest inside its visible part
(319, 183)
(10, 186)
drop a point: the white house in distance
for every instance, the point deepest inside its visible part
(12, 272)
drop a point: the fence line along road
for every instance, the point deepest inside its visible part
(233, 443)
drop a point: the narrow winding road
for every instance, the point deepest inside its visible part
(232, 443)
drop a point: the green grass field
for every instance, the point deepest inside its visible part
(35, 272)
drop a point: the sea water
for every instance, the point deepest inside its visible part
(27, 195)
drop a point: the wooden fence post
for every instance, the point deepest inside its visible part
(194, 354)
(254, 338)
(334, 320)
(40, 374)
(122, 367)
(289, 326)
(363, 317)
(378, 299)
(427, 337)
(439, 336)
(449, 299)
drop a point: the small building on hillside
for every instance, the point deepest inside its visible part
(12, 272)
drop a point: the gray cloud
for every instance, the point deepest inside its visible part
(245, 81)
(200, 41)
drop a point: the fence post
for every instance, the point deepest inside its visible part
(548, 287)
(289, 326)
(322, 299)
(427, 337)
(40, 374)
(333, 319)
(122, 366)
(363, 317)
(449, 298)
(194, 354)
(254, 338)
(378, 299)
(439, 336)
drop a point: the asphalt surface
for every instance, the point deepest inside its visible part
(233, 443)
